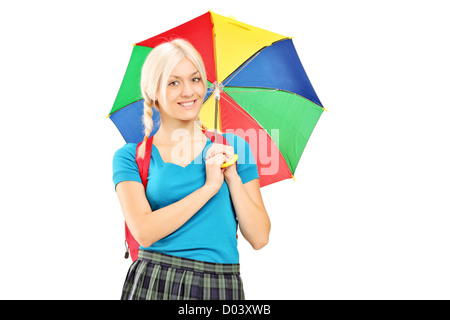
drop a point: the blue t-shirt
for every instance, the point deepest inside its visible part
(210, 234)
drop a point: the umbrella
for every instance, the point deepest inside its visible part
(258, 89)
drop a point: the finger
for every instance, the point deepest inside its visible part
(211, 151)
(229, 152)
(217, 159)
(217, 148)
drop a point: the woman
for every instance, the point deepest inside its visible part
(186, 220)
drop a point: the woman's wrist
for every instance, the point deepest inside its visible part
(210, 190)
(233, 179)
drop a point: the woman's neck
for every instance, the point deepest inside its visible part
(172, 133)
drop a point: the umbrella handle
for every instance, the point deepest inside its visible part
(218, 87)
(230, 162)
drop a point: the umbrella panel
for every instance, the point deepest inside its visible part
(278, 67)
(199, 32)
(235, 42)
(130, 90)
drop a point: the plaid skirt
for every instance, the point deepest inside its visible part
(157, 276)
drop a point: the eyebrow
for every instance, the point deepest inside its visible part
(190, 75)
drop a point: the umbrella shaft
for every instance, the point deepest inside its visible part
(215, 119)
(218, 87)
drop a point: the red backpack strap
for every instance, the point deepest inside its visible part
(143, 165)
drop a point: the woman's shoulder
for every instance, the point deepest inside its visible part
(238, 142)
(233, 138)
(126, 151)
(241, 147)
(125, 167)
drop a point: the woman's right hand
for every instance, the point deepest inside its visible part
(214, 172)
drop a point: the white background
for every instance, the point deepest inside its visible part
(368, 214)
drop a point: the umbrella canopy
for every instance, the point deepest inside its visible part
(266, 96)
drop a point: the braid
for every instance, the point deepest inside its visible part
(148, 123)
(147, 117)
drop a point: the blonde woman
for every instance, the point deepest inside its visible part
(186, 219)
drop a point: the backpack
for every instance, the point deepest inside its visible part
(131, 245)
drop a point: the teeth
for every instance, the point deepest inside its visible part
(187, 104)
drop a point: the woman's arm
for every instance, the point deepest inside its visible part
(149, 226)
(248, 204)
(254, 221)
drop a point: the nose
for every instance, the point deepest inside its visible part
(187, 90)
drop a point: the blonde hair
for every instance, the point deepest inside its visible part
(155, 73)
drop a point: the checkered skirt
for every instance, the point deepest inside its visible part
(157, 276)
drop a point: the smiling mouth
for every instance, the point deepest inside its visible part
(187, 104)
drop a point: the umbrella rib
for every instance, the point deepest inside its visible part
(242, 111)
(260, 89)
(109, 115)
(242, 67)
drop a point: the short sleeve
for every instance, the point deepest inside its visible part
(246, 164)
(125, 167)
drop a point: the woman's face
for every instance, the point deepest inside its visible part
(184, 92)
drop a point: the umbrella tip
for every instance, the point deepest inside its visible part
(293, 177)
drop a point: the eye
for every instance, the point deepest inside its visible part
(174, 83)
(196, 79)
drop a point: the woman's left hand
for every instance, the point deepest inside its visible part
(230, 171)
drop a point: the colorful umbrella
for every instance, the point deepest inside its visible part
(262, 91)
